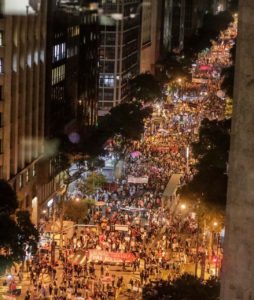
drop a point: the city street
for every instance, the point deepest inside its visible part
(136, 236)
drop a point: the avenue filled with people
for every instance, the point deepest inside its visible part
(135, 235)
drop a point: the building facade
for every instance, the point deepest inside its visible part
(22, 99)
(181, 18)
(238, 259)
(71, 83)
(48, 85)
(72, 68)
(119, 50)
(150, 35)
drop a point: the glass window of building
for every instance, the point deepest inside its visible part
(107, 80)
(27, 176)
(1, 65)
(58, 74)
(1, 38)
(59, 52)
(33, 170)
(20, 181)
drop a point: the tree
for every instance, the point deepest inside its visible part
(77, 210)
(92, 183)
(209, 183)
(233, 5)
(126, 119)
(210, 30)
(28, 234)
(186, 287)
(175, 66)
(145, 88)
(8, 202)
(17, 232)
(228, 75)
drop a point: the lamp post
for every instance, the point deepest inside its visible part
(187, 159)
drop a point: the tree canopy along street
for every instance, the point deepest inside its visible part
(133, 238)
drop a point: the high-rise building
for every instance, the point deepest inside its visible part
(119, 50)
(166, 32)
(72, 67)
(181, 18)
(71, 83)
(150, 35)
(48, 85)
(22, 97)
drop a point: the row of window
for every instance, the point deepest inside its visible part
(58, 74)
(73, 31)
(107, 80)
(1, 65)
(26, 176)
(89, 19)
(59, 52)
(1, 38)
(72, 51)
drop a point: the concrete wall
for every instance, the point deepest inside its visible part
(238, 266)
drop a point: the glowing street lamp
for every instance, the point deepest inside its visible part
(183, 206)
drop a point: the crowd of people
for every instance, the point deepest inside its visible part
(131, 219)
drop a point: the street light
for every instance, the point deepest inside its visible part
(183, 206)
(187, 159)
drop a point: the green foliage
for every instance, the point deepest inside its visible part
(125, 119)
(95, 163)
(228, 75)
(8, 199)
(78, 210)
(15, 235)
(145, 88)
(233, 6)
(176, 66)
(28, 234)
(212, 26)
(209, 184)
(186, 287)
(92, 183)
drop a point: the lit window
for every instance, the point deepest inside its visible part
(1, 38)
(20, 181)
(107, 80)
(1, 65)
(33, 171)
(58, 74)
(59, 52)
(27, 176)
(73, 31)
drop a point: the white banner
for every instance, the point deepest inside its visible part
(199, 80)
(140, 180)
(120, 227)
